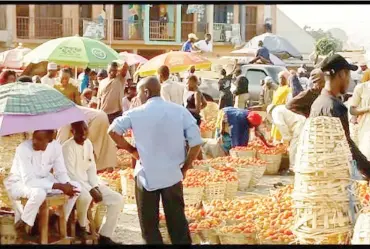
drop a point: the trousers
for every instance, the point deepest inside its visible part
(173, 205)
(113, 201)
(35, 196)
(241, 101)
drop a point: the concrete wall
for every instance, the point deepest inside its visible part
(288, 29)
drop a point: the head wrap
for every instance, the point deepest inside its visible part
(254, 118)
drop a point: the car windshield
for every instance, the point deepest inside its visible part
(274, 72)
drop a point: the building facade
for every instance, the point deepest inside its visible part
(145, 29)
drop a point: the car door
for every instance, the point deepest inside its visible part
(254, 77)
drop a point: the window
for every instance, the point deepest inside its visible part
(2, 17)
(255, 76)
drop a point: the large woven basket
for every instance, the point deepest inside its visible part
(100, 211)
(245, 175)
(231, 189)
(128, 189)
(193, 196)
(214, 191)
(8, 235)
(273, 163)
(257, 174)
(361, 233)
(207, 134)
(8, 145)
(209, 236)
(237, 239)
(243, 154)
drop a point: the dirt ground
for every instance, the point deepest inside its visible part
(128, 229)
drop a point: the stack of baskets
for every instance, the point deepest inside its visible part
(257, 174)
(128, 186)
(321, 196)
(8, 235)
(214, 191)
(245, 175)
(193, 196)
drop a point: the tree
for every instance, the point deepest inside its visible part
(319, 34)
(326, 46)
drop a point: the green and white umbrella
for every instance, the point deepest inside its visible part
(74, 51)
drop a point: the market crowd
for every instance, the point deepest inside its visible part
(164, 113)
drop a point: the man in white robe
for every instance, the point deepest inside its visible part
(290, 125)
(79, 159)
(30, 177)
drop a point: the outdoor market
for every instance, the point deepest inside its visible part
(101, 147)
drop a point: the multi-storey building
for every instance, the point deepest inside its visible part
(148, 30)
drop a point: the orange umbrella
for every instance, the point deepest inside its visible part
(176, 61)
(13, 58)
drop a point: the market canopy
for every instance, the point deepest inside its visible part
(276, 44)
(176, 61)
(74, 51)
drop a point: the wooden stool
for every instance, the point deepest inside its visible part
(52, 201)
(72, 222)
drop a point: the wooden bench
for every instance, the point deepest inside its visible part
(57, 201)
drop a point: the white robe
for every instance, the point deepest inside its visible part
(81, 167)
(290, 126)
(30, 177)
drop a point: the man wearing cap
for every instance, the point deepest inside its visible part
(232, 127)
(290, 125)
(337, 76)
(267, 92)
(49, 78)
(301, 104)
(189, 44)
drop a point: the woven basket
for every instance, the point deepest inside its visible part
(128, 189)
(100, 211)
(207, 134)
(231, 189)
(209, 236)
(245, 175)
(243, 154)
(214, 191)
(361, 233)
(164, 232)
(273, 163)
(237, 239)
(8, 234)
(257, 174)
(195, 238)
(8, 145)
(205, 167)
(193, 196)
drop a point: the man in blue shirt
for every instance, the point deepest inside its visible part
(188, 45)
(263, 54)
(161, 130)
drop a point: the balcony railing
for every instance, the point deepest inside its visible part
(222, 32)
(127, 30)
(199, 28)
(43, 27)
(159, 31)
(82, 28)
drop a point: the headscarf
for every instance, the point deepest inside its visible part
(295, 85)
(254, 118)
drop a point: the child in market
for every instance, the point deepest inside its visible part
(80, 163)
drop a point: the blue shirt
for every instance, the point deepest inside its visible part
(239, 126)
(84, 83)
(186, 47)
(160, 129)
(263, 52)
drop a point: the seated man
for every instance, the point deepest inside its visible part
(79, 158)
(262, 55)
(30, 177)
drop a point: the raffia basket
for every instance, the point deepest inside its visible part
(128, 189)
(243, 154)
(124, 159)
(245, 175)
(8, 145)
(193, 196)
(231, 189)
(257, 174)
(321, 196)
(237, 239)
(8, 235)
(214, 191)
(209, 236)
(361, 233)
(207, 134)
(273, 162)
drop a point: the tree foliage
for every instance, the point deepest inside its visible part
(326, 46)
(326, 38)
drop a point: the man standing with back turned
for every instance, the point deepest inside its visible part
(161, 130)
